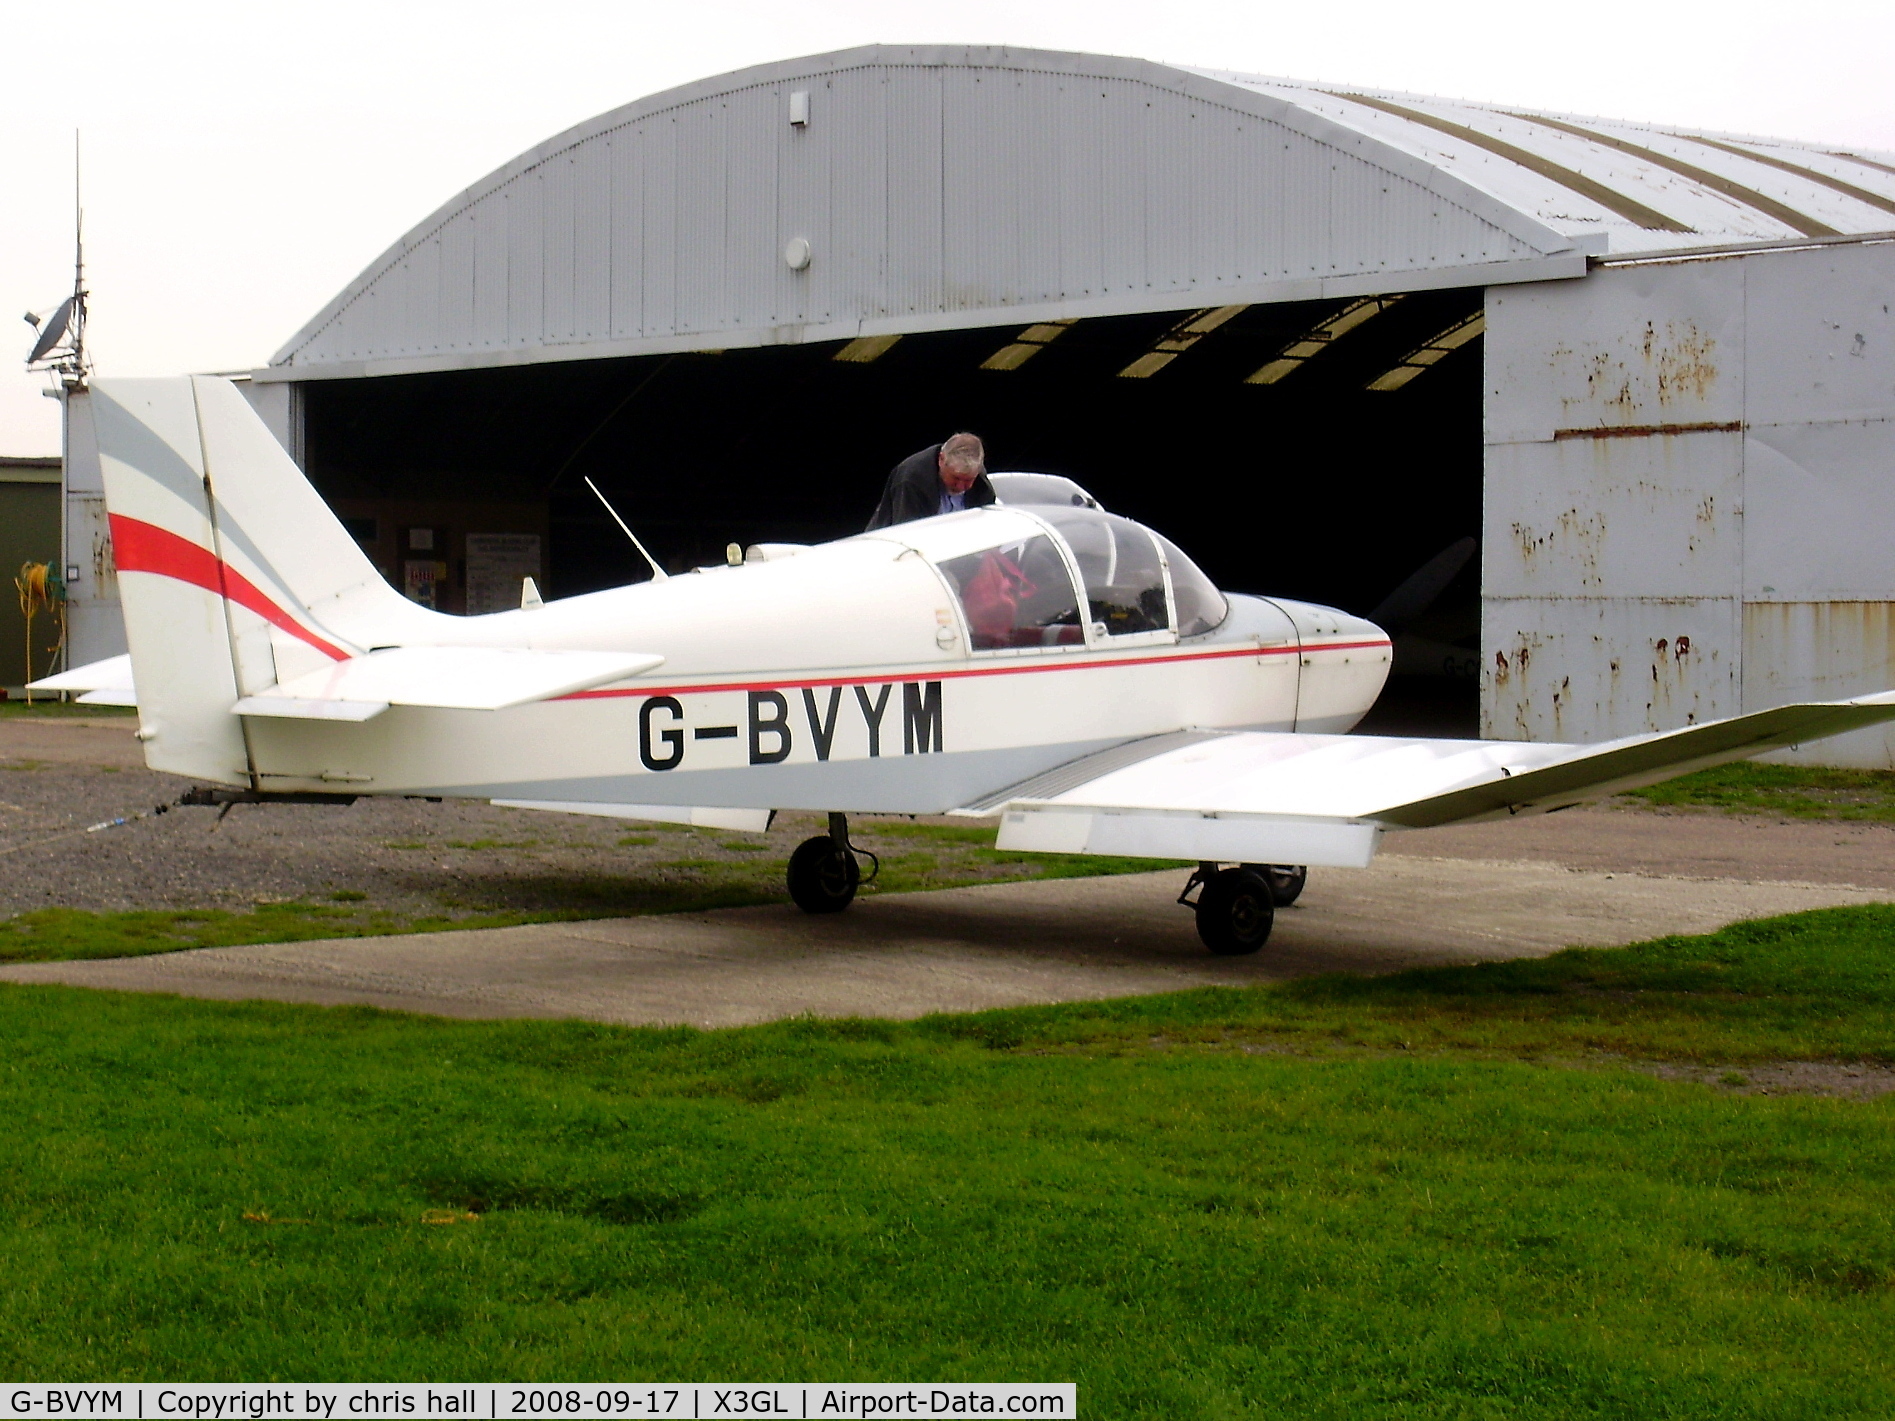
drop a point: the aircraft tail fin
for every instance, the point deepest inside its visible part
(233, 574)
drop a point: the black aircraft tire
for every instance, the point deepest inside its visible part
(1286, 880)
(1235, 912)
(823, 877)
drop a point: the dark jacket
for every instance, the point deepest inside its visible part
(914, 490)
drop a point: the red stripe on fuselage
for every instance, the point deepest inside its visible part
(138, 546)
(1013, 670)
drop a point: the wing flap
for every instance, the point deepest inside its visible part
(1221, 838)
(449, 677)
(751, 821)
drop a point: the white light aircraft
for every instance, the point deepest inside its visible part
(1042, 662)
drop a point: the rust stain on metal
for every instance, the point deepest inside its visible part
(1684, 363)
(104, 563)
(1583, 531)
(1650, 431)
(1677, 365)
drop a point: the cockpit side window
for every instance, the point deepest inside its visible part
(1200, 606)
(1122, 570)
(1016, 596)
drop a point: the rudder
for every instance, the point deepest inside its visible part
(223, 550)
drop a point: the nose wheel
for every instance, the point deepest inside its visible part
(823, 872)
(1236, 907)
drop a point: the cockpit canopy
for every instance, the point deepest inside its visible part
(1065, 576)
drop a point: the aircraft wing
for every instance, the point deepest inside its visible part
(104, 683)
(453, 677)
(1258, 797)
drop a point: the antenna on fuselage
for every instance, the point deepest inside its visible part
(658, 574)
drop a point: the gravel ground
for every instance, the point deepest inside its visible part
(408, 857)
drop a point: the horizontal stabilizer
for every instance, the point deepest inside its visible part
(449, 677)
(752, 821)
(1258, 797)
(112, 676)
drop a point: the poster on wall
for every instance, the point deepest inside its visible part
(496, 564)
(422, 580)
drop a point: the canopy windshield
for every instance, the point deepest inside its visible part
(1124, 565)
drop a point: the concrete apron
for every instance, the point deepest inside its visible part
(957, 949)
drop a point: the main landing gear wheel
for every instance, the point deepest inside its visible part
(823, 871)
(823, 875)
(1286, 880)
(1235, 911)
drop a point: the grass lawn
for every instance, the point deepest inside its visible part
(1801, 791)
(46, 708)
(1448, 1193)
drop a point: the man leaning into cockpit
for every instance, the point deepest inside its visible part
(943, 478)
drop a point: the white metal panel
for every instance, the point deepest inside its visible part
(1801, 195)
(1711, 215)
(459, 301)
(1647, 516)
(1819, 521)
(857, 256)
(591, 315)
(1123, 197)
(703, 231)
(661, 236)
(526, 258)
(1824, 322)
(802, 209)
(626, 237)
(1082, 221)
(928, 183)
(488, 318)
(754, 127)
(1590, 669)
(1629, 347)
(421, 311)
(1823, 650)
(1723, 476)
(1518, 187)
(915, 270)
(1167, 215)
(456, 677)
(953, 180)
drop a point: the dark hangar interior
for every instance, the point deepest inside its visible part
(1308, 483)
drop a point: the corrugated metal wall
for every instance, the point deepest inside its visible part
(926, 191)
(1691, 495)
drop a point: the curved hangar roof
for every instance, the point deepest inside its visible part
(892, 189)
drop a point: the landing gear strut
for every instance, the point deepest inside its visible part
(823, 873)
(1236, 907)
(1286, 880)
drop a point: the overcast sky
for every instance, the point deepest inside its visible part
(244, 161)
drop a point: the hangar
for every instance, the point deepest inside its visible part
(1320, 335)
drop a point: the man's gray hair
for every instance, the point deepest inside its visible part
(965, 452)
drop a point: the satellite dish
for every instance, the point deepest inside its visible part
(54, 332)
